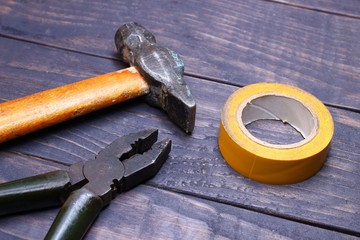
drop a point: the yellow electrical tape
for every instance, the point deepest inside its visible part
(272, 163)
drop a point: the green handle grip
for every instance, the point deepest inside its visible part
(76, 216)
(35, 192)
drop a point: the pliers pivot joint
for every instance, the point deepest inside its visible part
(88, 186)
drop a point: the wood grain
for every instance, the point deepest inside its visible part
(348, 8)
(253, 41)
(150, 213)
(225, 44)
(328, 200)
(43, 109)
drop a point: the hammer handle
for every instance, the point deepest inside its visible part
(34, 112)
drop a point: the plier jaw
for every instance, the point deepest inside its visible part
(144, 166)
(88, 186)
(125, 163)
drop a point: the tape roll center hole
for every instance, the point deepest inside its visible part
(277, 121)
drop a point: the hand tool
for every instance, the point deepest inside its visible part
(156, 72)
(88, 186)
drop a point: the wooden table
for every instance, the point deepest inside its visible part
(311, 44)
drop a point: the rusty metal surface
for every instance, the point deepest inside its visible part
(163, 69)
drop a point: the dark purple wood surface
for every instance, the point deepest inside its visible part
(347, 8)
(225, 45)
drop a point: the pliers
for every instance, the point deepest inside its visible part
(89, 186)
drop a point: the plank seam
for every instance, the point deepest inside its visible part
(313, 9)
(189, 74)
(221, 201)
(56, 47)
(259, 210)
(42, 159)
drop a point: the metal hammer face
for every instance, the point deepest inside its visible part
(163, 70)
(156, 74)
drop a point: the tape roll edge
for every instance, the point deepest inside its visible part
(292, 170)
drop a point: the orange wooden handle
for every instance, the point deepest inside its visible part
(34, 112)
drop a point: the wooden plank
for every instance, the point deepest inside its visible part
(253, 41)
(330, 199)
(349, 8)
(16, 166)
(149, 213)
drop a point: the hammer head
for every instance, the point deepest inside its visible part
(162, 68)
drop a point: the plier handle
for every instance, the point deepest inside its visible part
(88, 186)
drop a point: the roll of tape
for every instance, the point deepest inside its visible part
(273, 163)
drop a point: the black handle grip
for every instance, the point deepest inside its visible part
(76, 216)
(35, 192)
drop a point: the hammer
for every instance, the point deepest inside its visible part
(155, 72)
